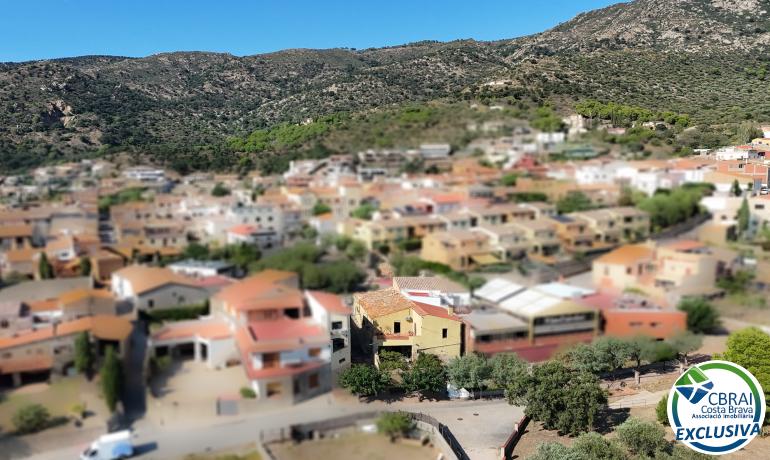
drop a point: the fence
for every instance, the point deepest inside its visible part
(506, 450)
(307, 430)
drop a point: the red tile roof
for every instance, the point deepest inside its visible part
(423, 309)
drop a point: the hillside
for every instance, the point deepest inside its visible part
(706, 58)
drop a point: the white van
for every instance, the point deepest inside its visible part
(112, 446)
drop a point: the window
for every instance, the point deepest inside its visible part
(336, 325)
(396, 327)
(270, 360)
(313, 381)
(628, 270)
(635, 324)
(444, 333)
(150, 303)
(4, 324)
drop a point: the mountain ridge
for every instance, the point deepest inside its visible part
(702, 56)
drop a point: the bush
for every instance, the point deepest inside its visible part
(248, 393)
(178, 313)
(642, 438)
(395, 424)
(661, 410)
(159, 364)
(31, 418)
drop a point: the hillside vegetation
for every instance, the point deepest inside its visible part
(707, 59)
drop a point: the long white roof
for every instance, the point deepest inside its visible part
(497, 289)
(530, 303)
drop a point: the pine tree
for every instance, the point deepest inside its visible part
(743, 217)
(111, 377)
(44, 268)
(737, 188)
(84, 353)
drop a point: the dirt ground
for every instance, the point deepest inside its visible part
(354, 447)
(58, 397)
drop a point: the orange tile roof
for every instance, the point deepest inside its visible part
(105, 327)
(25, 364)
(424, 309)
(243, 229)
(144, 278)
(80, 294)
(205, 328)
(262, 291)
(382, 302)
(685, 245)
(626, 254)
(11, 231)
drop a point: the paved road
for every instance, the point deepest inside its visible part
(481, 434)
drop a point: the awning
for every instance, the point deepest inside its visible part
(485, 259)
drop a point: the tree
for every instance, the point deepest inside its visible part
(392, 364)
(749, 348)
(426, 375)
(84, 353)
(470, 371)
(364, 211)
(363, 380)
(509, 179)
(510, 371)
(736, 188)
(30, 418)
(44, 268)
(642, 438)
(321, 208)
(560, 398)
(744, 216)
(196, 251)
(111, 375)
(612, 351)
(395, 424)
(356, 251)
(220, 190)
(701, 315)
(572, 202)
(85, 266)
(640, 349)
(683, 344)
(661, 410)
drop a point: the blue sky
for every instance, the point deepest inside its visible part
(39, 29)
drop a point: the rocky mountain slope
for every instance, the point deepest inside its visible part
(707, 58)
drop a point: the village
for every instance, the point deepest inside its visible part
(133, 296)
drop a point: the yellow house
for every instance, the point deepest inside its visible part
(459, 249)
(385, 319)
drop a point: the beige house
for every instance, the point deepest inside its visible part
(459, 249)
